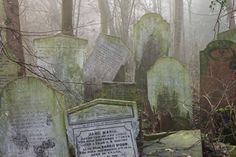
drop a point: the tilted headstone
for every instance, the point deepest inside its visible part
(62, 58)
(108, 56)
(32, 120)
(151, 41)
(104, 127)
(218, 76)
(227, 35)
(169, 89)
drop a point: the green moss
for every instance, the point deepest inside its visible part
(227, 35)
(212, 46)
(169, 87)
(32, 95)
(151, 24)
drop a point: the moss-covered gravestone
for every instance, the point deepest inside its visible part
(32, 120)
(151, 41)
(169, 91)
(8, 70)
(63, 59)
(218, 76)
(227, 35)
(104, 127)
(106, 61)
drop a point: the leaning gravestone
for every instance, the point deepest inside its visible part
(218, 71)
(108, 56)
(62, 58)
(32, 120)
(104, 128)
(169, 89)
(151, 41)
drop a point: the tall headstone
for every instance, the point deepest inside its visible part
(62, 58)
(32, 120)
(104, 127)
(106, 60)
(169, 90)
(218, 76)
(151, 41)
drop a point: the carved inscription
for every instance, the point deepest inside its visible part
(110, 141)
(31, 130)
(106, 59)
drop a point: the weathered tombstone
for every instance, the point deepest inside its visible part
(218, 71)
(169, 90)
(8, 70)
(62, 58)
(227, 35)
(184, 143)
(104, 127)
(151, 41)
(107, 58)
(32, 120)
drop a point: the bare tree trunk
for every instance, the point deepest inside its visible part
(178, 27)
(154, 2)
(106, 18)
(231, 19)
(67, 27)
(78, 19)
(13, 33)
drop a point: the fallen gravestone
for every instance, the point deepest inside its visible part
(108, 56)
(103, 128)
(151, 41)
(32, 120)
(177, 144)
(62, 58)
(169, 91)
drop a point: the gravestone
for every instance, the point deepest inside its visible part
(106, 60)
(62, 58)
(103, 128)
(32, 120)
(218, 71)
(151, 41)
(169, 90)
(8, 70)
(227, 35)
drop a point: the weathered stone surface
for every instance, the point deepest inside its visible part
(179, 144)
(169, 88)
(151, 38)
(63, 56)
(8, 70)
(227, 35)
(32, 120)
(108, 56)
(104, 127)
(110, 60)
(218, 88)
(151, 41)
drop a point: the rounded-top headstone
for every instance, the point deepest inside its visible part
(32, 120)
(169, 88)
(151, 31)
